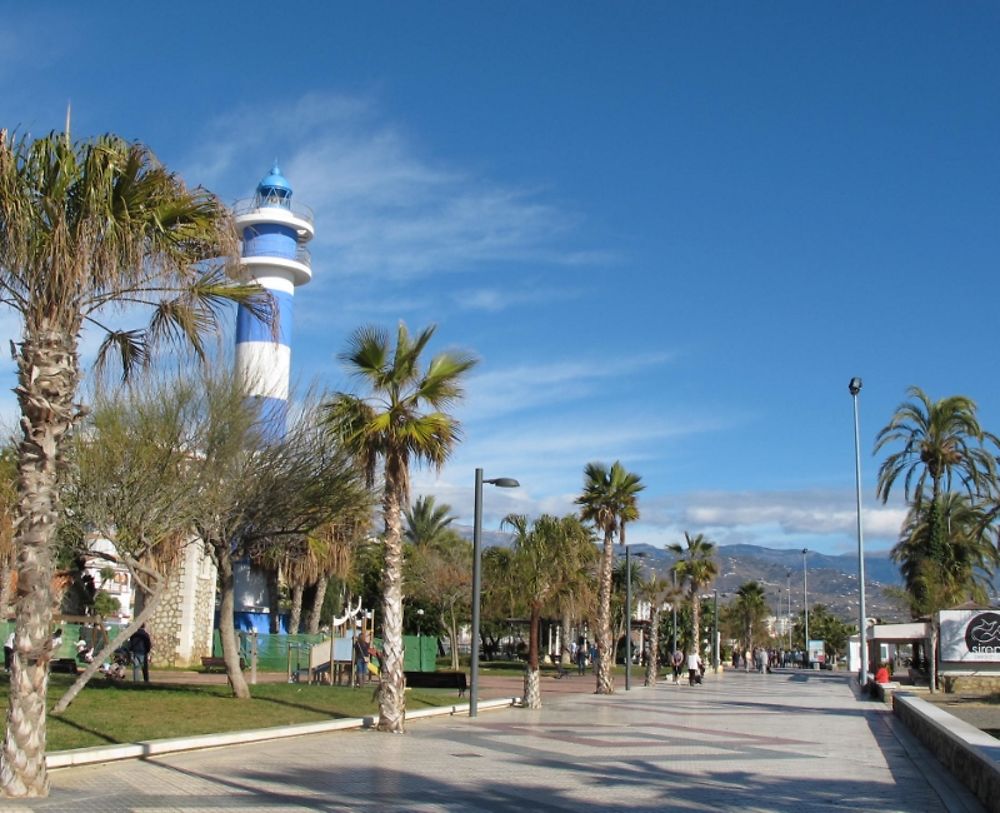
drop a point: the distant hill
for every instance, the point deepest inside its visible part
(833, 580)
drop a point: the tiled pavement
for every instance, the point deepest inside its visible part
(783, 742)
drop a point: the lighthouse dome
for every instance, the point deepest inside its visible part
(274, 189)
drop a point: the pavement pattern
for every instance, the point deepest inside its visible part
(797, 741)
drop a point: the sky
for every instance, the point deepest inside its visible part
(670, 232)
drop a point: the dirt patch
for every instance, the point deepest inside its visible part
(982, 712)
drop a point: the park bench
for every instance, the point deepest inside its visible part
(218, 663)
(65, 665)
(438, 680)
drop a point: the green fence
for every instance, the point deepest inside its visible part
(274, 651)
(71, 633)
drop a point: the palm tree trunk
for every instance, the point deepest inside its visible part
(48, 375)
(696, 622)
(273, 600)
(295, 616)
(317, 605)
(653, 658)
(451, 624)
(532, 689)
(392, 688)
(605, 654)
(566, 655)
(227, 626)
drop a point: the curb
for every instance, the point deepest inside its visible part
(972, 756)
(151, 748)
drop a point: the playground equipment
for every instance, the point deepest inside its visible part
(334, 656)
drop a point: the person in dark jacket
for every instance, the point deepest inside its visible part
(140, 645)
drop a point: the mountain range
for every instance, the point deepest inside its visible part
(830, 580)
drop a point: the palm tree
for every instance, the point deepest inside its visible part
(83, 228)
(750, 608)
(427, 522)
(609, 500)
(339, 540)
(657, 591)
(401, 422)
(941, 440)
(942, 575)
(696, 568)
(544, 551)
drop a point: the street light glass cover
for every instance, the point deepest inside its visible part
(504, 482)
(854, 386)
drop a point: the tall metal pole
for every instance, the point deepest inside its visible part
(788, 577)
(855, 388)
(477, 533)
(715, 634)
(628, 620)
(673, 606)
(805, 603)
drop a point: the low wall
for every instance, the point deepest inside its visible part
(970, 754)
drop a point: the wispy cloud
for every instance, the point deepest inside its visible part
(528, 386)
(382, 206)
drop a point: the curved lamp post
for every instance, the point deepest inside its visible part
(855, 387)
(477, 533)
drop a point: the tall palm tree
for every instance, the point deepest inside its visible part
(750, 608)
(426, 522)
(938, 576)
(86, 227)
(941, 440)
(609, 500)
(695, 568)
(401, 421)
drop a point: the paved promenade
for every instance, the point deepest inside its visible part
(782, 742)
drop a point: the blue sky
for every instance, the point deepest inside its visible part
(672, 233)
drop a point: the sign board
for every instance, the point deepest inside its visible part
(817, 651)
(970, 636)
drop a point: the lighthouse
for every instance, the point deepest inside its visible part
(274, 233)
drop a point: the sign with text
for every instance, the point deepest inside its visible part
(970, 636)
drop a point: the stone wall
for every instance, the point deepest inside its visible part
(970, 754)
(181, 626)
(971, 684)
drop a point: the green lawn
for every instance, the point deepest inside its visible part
(108, 713)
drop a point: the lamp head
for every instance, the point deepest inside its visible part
(854, 386)
(503, 482)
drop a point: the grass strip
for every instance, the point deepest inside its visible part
(107, 713)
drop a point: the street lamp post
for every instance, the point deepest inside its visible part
(673, 609)
(715, 634)
(628, 619)
(477, 534)
(855, 388)
(805, 603)
(788, 584)
(420, 643)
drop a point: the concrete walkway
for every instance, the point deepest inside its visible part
(783, 742)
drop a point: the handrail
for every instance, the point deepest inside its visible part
(245, 206)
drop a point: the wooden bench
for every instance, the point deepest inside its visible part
(438, 680)
(209, 664)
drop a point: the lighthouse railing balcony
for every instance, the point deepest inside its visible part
(301, 255)
(247, 205)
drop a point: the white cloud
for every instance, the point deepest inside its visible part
(793, 513)
(383, 209)
(528, 386)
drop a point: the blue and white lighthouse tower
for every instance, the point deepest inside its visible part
(274, 232)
